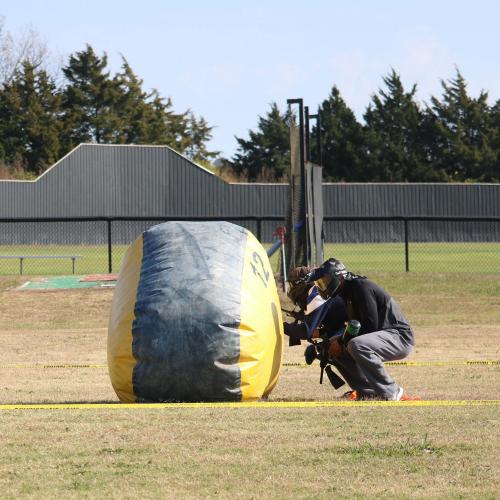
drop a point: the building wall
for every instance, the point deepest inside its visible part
(155, 181)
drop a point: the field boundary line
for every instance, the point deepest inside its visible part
(424, 363)
(249, 404)
(51, 365)
(489, 362)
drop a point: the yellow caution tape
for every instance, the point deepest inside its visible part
(490, 362)
(251, 404)
(52, 365)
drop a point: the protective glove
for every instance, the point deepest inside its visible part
(295, 332)
(336, 349)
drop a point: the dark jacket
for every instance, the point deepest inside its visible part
(374, 308)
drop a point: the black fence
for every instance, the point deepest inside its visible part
(89, 245)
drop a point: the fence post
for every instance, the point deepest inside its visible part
(407, 250)
(110, 248)
(259, 229)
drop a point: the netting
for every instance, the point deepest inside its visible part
(296, 244)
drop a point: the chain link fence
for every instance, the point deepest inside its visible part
(81, 246)
(417, 244)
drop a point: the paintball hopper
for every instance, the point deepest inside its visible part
(328, 278)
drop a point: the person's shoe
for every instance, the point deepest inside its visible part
(350, 396)
(398, 395)
(402, 396)
(407, 397)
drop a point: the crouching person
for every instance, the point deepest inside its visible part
(385, 334)
(316, 316)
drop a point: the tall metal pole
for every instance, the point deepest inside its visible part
(319, 136)
(308, 142)
(319, 153)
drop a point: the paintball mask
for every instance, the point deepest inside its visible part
(328, 278)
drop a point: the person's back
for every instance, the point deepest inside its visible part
(374, 308)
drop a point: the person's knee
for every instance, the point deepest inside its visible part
(356, 346)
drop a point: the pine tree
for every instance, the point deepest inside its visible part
(463, 133)
(89, 100)
(267, 152)
(395, 151)
(199, 133)
(30, 126)
(342, 140)
(131, 108)
(164, 126)
(491, 172)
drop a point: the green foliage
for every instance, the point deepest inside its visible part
(88, 99)
(395, 150)
(29, 125)
(40, 122)
(464, 134)
(266, 154)
(342, 140)
(455, 139)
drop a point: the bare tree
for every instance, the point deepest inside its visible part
(29, 47)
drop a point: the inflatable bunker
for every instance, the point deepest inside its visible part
(195, 317)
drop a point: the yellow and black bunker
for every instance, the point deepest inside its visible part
(195, 316)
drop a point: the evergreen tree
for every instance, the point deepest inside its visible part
(342, 140)
(164, 125)
(89, 100)
(395, 151)
(131, 107)
(199, 133)
(491, 172)
(30, 126)
(463, 133)
(149, 119)
(267, 152)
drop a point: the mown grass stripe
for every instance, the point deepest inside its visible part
(250, 404)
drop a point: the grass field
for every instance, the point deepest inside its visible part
(421, 452)
(424, 257)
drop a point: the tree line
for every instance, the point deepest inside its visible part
(41, 120)
(454, 138)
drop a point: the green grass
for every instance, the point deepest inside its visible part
(360, 257)
(423, 257)
(93, 259)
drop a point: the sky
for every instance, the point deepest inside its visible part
(229, 60)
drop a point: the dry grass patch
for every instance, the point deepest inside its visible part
(259, 453)
(54, 309)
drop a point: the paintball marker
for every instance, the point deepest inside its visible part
(319, 350)
(320, 347)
